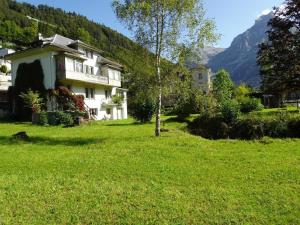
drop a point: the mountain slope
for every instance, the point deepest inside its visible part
(240, 58)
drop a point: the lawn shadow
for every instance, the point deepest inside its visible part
(127, 124)
(74, 141)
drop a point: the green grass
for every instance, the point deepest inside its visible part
(119, 173)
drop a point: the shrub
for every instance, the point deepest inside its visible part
(117, 99)
(144, 111)
(276, 128)
(42, 118)
(248, 129)
(209, 127)
(53, 118)
(251, 104)
(3, 69)
(294, 128)
(32, 100)
(65, 119)
(230, 111)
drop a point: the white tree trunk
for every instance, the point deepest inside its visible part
(158, 102)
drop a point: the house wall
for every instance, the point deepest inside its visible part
(48, 63)
(202, 79)
(4, 52)
(101, 103)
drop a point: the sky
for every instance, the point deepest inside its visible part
(232, 17)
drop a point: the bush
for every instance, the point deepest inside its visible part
(3, 69)
(248, 129)
(209, 127)
(294, 128)
(65, 119)
(276, 128)
(230, 111)
(251, 104)
(42, 118)
(143, 112)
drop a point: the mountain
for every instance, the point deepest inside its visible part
(240, 58)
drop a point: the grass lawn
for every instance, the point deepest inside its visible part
(118, 173)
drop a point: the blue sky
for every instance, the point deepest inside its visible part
(232, 16)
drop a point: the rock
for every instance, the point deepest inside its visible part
(21, 136)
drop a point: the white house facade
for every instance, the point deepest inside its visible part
(202, 78)
(82, 69)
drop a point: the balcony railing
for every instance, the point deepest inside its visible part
(89, 78)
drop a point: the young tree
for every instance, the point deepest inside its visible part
(222, 87)
(164, 26)
(279, 57)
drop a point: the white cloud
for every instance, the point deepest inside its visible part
(263, 13)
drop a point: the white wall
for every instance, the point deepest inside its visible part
(48, 63)
(96, 102)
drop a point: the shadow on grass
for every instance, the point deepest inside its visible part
(74, 141)
(127, 124)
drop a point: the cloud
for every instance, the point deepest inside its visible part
(264, 13)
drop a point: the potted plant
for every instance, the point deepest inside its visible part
(34, 101)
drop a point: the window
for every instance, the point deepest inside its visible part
(108, 112)
(107, 94)
(89, 54)
(88, 69)
(200, 76)
(89, 93)
(69, 64)
(94, 111)
(78, 66)
(92, 93)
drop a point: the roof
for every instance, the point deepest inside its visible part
(64, 44)
(105, 61)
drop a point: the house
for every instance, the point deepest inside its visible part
(79, 67)
(202, 78)
(5, 82)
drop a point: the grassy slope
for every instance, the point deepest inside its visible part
(118, 173)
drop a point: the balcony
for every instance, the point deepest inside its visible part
(83, 77)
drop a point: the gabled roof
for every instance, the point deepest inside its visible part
(63, 44)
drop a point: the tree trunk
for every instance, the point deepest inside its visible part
(158, 102)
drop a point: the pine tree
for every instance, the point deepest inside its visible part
(279, 57)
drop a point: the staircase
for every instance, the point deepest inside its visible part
(86, 108)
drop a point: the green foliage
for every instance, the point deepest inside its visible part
(143, 110)
(222, 86)
(84, 35)
(166, 29)
(32, 100)
(248, 129)
(42, 118)
(279, 56)
(230, 111)
(241, 92)
(64, 118)
(210, 127)
(276, 128)
(251, 104)
(117, 99)
(294, 128)
(3, 69)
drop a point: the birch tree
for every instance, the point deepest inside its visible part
(164, 27)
